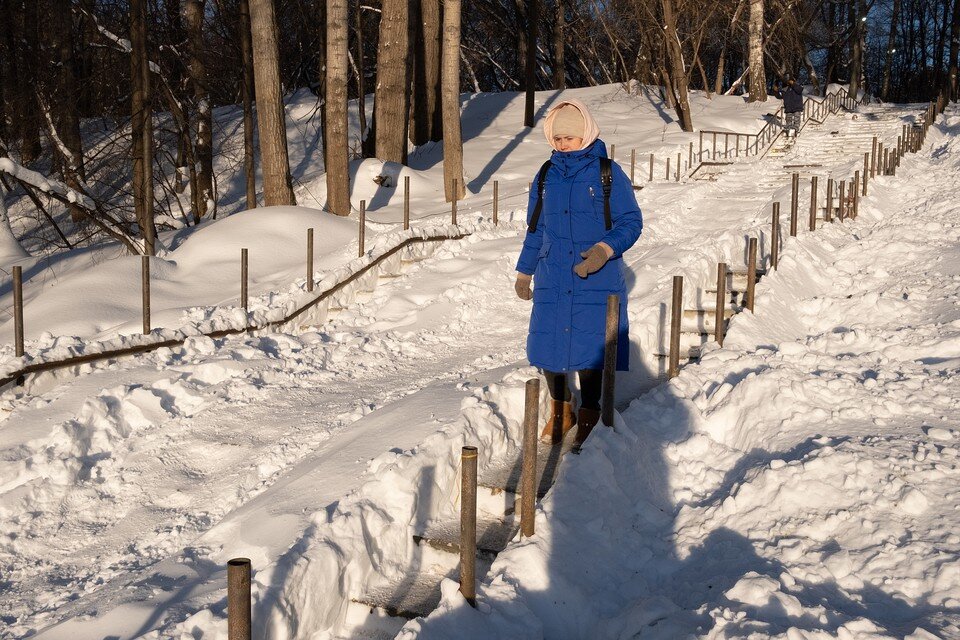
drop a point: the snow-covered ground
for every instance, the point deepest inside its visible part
(790, 484)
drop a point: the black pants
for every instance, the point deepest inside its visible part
(590, 384)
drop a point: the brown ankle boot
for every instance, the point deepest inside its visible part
(562, 419)
(588, 419)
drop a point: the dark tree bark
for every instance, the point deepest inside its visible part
(559, 44)
(204, 196)
(891, 45)
(857, 30)
(393, 83)
(450, 77)
(336, 148)
(247, 93)
(530, 64)
(952, 81)
(426, 120)
(141, 125)
(678, 86)
(271, 120)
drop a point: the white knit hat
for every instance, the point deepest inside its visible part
(568, 122)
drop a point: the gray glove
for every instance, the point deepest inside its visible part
(522, 286)
(593, 260)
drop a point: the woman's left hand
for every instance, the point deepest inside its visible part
(593, 259)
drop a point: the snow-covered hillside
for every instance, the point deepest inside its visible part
(789, 484)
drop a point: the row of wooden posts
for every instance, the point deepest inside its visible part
(238, 569)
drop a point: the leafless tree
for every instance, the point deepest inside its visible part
(337, 143)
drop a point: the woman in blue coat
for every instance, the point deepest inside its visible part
(573, 254)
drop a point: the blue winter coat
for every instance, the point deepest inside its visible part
(568, 321)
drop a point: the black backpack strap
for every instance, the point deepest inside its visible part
(606, 180)
(541, 176)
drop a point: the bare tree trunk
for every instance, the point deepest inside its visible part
(891, 45)
(426, 118)
(393, 83)
(56, 96)
(758, 78)
(721, 64)
(857, 11)
(271, 121)
(952, 84)
(246, 89)
(204, 198)
(559, 64)
(812, 72)
(450, 81)
(677, 71)
(28, 24)
(361, 89)
(530, 84)
(141, 125)
(337, 145)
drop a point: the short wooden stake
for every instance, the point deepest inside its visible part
(678, 167)
(453, 203)
(243, 280)
(651, 168)
(841, 209)
(873, 158)
(775, 237)
(238, 599)
(751, 273)
(633, 166)
(886, 162)
(668, 169)
(145, 292)
(690, 156)
(362, 230)
(613, 152)
(721, 308)
(813, 203)
(468, 524)
(610, 359)
(828, 205)
(406, 201)
(856, 195)
(310, 259)
(794, 203)
(18, 310)
(866, 171)
(496, 202)
(676, 314)
(528, 473)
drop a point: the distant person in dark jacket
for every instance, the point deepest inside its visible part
(792, 96)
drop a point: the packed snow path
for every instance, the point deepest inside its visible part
(800, 483)
(85, 497)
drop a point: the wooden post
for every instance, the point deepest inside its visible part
(528, 474)
(496, 202)
(856, 194)
(886, 162)
(362, 229)
(713, 156)
(721, 307)
(813, 203)
(896, 157)
(468, 524)
(841, 209)
(690, 156)
(145, 291)
(794, 202)
(238, 599)
(243, 279)
(676, 314)
(828, 205)
(873, 158)
(406, 201)
(613, 151)
(651, 168)
(866, 171)
(700, 153)
(726, 146)
(610, 359)
(310, 259)
(902, 140)
(668, 169)
(453, 203)
(775, 237)
(633, 166)
(751, 273)
(18, 310)
(678, 167)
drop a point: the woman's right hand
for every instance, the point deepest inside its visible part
(522, 286)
